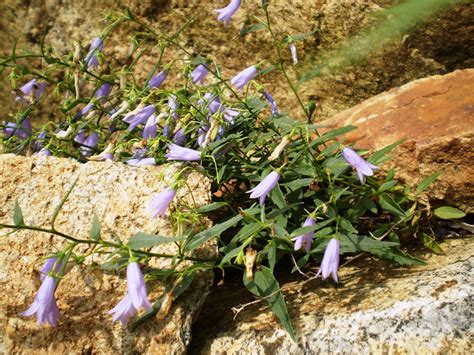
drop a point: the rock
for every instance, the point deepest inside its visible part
(440, 44)
(117, 194)
(436, 117)
(375, 309)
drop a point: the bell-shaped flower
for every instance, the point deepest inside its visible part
(91, 57)
(307, 238)
(139, 118)
(226, 13)
(103, 92)
(180, 153)
(135, 298)
(158, 205)
(44, 304)
(22, 132)
(179, 137)
(362, 167)
(241, 79)
(123, 310)
(89, 143)
(31, 91)
(158, 79)
(150, 128)
(106, 154)
(199, 74)
(264, 187)
(272, 103)
(330, 262)
(294, 55)
(44, 152)
(48, 266)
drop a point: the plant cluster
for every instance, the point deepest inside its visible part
(282, 186)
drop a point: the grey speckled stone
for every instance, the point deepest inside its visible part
(117, 194)
(377, 309)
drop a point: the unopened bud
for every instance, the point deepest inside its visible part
(249, 261)
(276, 153)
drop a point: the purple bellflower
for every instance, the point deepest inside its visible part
(241, 79)
(363, 167)
(158, 79)
(91, 57)
(264, 187)
(135, 298)
(43, 151)
(226, 13)
(179, 137)
(199, 74)
(89, 143)
(103, 92)
(31, 91)
(48, 266)
(150, 128)
(139, 118)
(23, 132)
(44, 304)
(330, 262)
(179, 153)
(39, 141)
(158, 205)
(307, 238)
(272, 103)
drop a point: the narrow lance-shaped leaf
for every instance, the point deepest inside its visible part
(265, 285)
(94, 232)
(422, 186)
(17, 215)
(143, 240)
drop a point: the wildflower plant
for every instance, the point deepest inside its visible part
(309, 200)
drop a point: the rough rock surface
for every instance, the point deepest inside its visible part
(375, 309)
(436, 117)
(443, 43)
(118, 195)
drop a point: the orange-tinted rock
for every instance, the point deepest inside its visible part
(436, 117)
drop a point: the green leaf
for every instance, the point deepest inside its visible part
(248, 230)
(252, 28)
(143, 240)
(332, 134)
(184, 284)
(381, 155)
(256, 104)
(214, 231)
(211, 207)
(17, 215)
(277, 197)
(94, 232)
(430, 243)
(387, 185)
(422, 186)
(389, 204)
(397, 256)
(447, 212)
(265, 285)
(347, 226)
(354, 243)
(272, 254)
